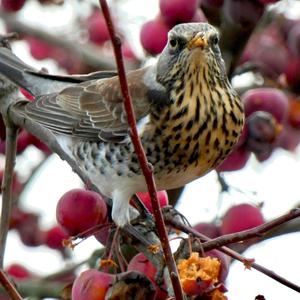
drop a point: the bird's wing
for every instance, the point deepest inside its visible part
(92, 109)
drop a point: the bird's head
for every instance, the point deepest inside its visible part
(191, 45)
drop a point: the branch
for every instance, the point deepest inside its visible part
(145, 166)
(88, 52)
(7, 201)
(249, 263)
(250, 233)
(9, 287)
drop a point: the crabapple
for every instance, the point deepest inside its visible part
(78, 210)
(162, 197)
(241, 217)
(92, 285)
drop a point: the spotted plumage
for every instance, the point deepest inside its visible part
(189, 116)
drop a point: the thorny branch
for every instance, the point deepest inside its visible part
(146, 168)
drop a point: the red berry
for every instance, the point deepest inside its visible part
(208, 229)
(162, 197)
(292, 72)
(270, 100)
(177, 11)
(12, 5)
(236, 160)
(243, 12)
(154, 36)
(29, 230)
(289, 138)
(39, 49)
(78, 210)
(142, 264)
(18, 272)
(54, 238)
(241, 217)
(97, 28)
(91, 285)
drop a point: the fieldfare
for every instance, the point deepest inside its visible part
(189, 116)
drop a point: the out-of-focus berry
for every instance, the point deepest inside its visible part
(154, 36)
(19, 272)
(162, 197)
(292, 73)
(54, 237)
(199, 17)
(271, 100)
(293, 39)
(11, 5)
(91, 285)
(241, 217)
(246, 13)
(39, 49)
(289, 138)
(209, 229)
(263, 131)
(97, 28)
(178, 11)
(78, 210)
(236, 160)
(29, 230)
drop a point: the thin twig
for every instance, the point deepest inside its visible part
(145, 166)
(249, 263)
(9, 287)
(11, 144)
(250, 233)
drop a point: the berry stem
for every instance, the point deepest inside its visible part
(145, 166)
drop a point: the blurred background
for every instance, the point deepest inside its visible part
(260, 43)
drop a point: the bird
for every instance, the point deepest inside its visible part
(189, 116)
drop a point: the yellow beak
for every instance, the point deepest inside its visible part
(197, 41)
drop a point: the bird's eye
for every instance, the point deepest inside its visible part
(173, 43)
(214, 40)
